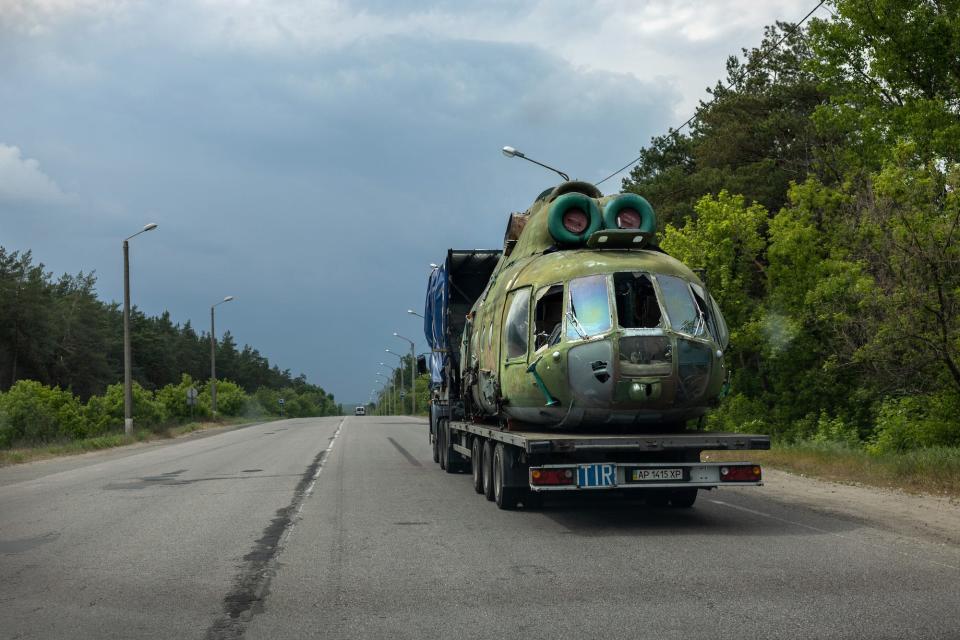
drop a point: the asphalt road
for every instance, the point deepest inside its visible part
(344, 528)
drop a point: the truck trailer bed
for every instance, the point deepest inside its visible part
(538, 442)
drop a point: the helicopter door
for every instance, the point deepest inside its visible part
(514, 380)
(590, 359)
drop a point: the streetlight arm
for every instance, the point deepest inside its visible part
(148, 227)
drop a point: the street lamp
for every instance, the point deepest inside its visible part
(387, 386)
(394, 397)
(127, 358)
(414, 313)
(401, 376)
(510, 152)
(213, 359)
(413, 375)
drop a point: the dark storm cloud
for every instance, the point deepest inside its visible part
(314, 185)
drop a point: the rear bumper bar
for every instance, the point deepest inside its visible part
(619, 475)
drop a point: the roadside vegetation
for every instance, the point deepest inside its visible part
(33, 415)
(819, 190)
(61, 357)
(21, 454)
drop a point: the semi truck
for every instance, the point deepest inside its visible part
(579, 357)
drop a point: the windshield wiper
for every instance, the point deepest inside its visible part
(576, 325)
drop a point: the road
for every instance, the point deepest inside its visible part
(344, 528)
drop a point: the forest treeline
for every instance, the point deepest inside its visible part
(61, 363)
(818, 188)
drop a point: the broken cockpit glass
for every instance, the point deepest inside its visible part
(637, 306)
(548, 316)
(686, 315)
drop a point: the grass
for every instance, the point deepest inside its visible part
(933, 471)
(85, 445)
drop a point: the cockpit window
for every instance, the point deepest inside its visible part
(589, 311)
(517, 323)
(548, 316)
(717, 325)
(637, 306)
(685, 315)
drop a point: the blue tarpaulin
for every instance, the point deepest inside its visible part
(435, 322)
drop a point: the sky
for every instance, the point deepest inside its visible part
(312, 157)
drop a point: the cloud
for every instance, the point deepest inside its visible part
(23, 183)
(679, 42)
(312, 157)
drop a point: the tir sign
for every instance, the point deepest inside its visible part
(596, 475)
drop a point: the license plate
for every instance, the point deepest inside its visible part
(597, 475)
(656, 475)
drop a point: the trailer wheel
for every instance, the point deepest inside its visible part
(476, 460)
(440, 441)
(683, 498)
(487, 461)
(451, 461)
(505, 497)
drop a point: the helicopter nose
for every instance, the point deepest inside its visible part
(645, 391)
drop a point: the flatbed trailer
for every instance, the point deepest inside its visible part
(521, 467)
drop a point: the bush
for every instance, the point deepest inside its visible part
(31, 413)
(105, 412)
(916, 422)
(739, 413)
(835, 430)
(231, 399)
(173, 397)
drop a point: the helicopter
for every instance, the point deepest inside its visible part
(580, 322)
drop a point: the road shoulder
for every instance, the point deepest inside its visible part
(933, 518)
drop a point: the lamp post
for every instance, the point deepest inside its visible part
(386, 391)
(393, 397)
(213, 359)
(401, 377)
(414, 313)
(127, 357)
(413, 375)
(387, 385)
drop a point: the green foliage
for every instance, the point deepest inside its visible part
(915, 423)
(727, 237)
(57, 332)
(32, 413)
(752, 139)
(173, 397)
(105, 413)
(231, 399)
(835, 429)
(842, 291)
(739, 413)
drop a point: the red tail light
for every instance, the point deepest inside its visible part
(740, 473)
(552, 477)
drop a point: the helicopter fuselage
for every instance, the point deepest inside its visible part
(584, 336)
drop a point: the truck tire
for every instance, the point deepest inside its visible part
(487, 471)
(505, 497)
(683, 498)
(532, 500)
(447, 454)
(476, 462)
(451, 461)
(441, 445)
(433, 435)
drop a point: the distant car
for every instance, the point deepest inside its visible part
(360, 411)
